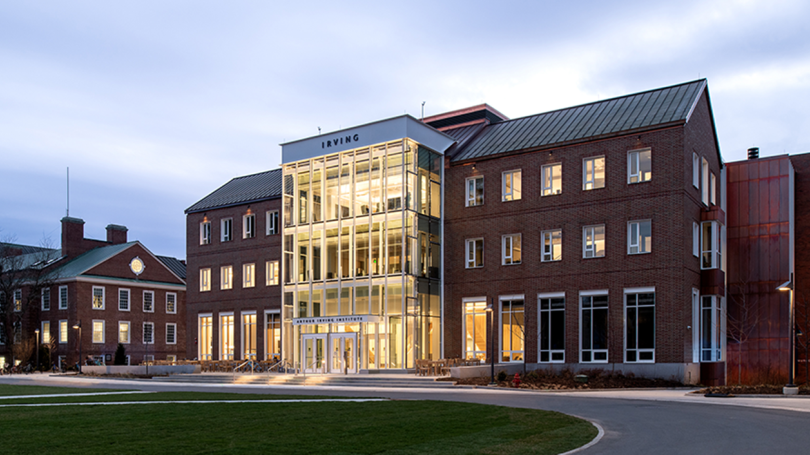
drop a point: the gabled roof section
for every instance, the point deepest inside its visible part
(177, 266)
(90, 259)
(242, 190)
(637, 112)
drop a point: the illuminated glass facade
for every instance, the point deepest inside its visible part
(362, 258)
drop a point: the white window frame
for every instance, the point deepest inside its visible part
(547, 245)
(17, 299)
(695, 325)
(205, 279)
(715, 307)
(249, 226)
(508, 249)
(173, 296)
(200, 317)
(547, 175)
(221, 334)
(129, 299)
(249, 275)
(63, 297)
(152, 293)
(271, 273)
(129, 332)
(589, 178)
(589, 249)
(470, 192)
(601, 352)
(46, 332)
(93, 332)
(243, 335)
(704, 194)
(501, 350)
(152, 333)
(268, 314)
(226, 277)
(710, 256)
(487, 328)
(205, 233)
(695, 170)
(634, 158)
(639, 351)
(226, 229)
(473, 260)
(516, 191)
(45, 297)
(554, 355)
(712, 188)
(695, 239)
(64, 331)
(93, 302)
(173, 326)
(635, 243)
(271, 222)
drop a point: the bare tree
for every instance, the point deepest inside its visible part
(24, 272)
(742, 318)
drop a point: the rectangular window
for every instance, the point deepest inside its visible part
(98, 298)
(710, 329)
(593, 322)
(123, 332)
(205, 233)
(695, 239)
(148, 301)
(98, 331)
(63, 297)
(226, 277)
(710, 245)
(593, 241)
(46, 299)
(271, 272)
(712, 189)
(18, 300)
(475, 253)
(475, 330)
(512, 330)
(149, 333)
(205, 280)
(475, 191)
(552, 328)
(171, 303)
(63, 331)
(695, 170)
(123, 300)
(249, 226)
(171, 333)
(206, 330)
(249, 336)
(639, 237)
(226, 230)
(705, 181)
(248, 275)
(272, 336)
(639, 166)
(639, 320)
(593, 173)
(510, 187)
(695, 325)
(46, 333)
(511, 249)
(17, 332)
(552, 245)
(226, 337)
(552, 179)
(271, 218)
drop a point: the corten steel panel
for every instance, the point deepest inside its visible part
(759, 260)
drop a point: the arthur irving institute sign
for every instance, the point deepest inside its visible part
(336, 320)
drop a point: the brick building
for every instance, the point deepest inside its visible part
(594, 235)
(115, 290)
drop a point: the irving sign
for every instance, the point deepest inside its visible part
(336, 320)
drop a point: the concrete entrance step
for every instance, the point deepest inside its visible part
(374, 381)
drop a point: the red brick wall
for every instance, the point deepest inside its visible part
(118, 266)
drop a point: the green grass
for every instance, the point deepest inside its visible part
(397, 427)
(10, 390)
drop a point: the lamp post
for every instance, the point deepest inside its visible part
(36, 365)
(79, 327)
(491, 311)
(790, 388)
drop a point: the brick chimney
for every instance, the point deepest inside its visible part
(72, 236)
(116, 234)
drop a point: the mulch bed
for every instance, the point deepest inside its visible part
(761, 389)
(567, 380)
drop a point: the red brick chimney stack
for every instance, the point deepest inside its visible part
(72, 236)
(116, 234)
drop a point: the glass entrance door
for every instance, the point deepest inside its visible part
(314, 353)
(343, 353)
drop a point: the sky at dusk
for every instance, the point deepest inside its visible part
(153, 105)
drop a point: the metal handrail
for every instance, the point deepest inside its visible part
(250, 361)
(304, 370)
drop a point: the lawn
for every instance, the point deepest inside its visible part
(400, 427)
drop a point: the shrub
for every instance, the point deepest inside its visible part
(501, 376)
(120, 355)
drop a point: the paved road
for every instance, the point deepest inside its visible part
(635, 422)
